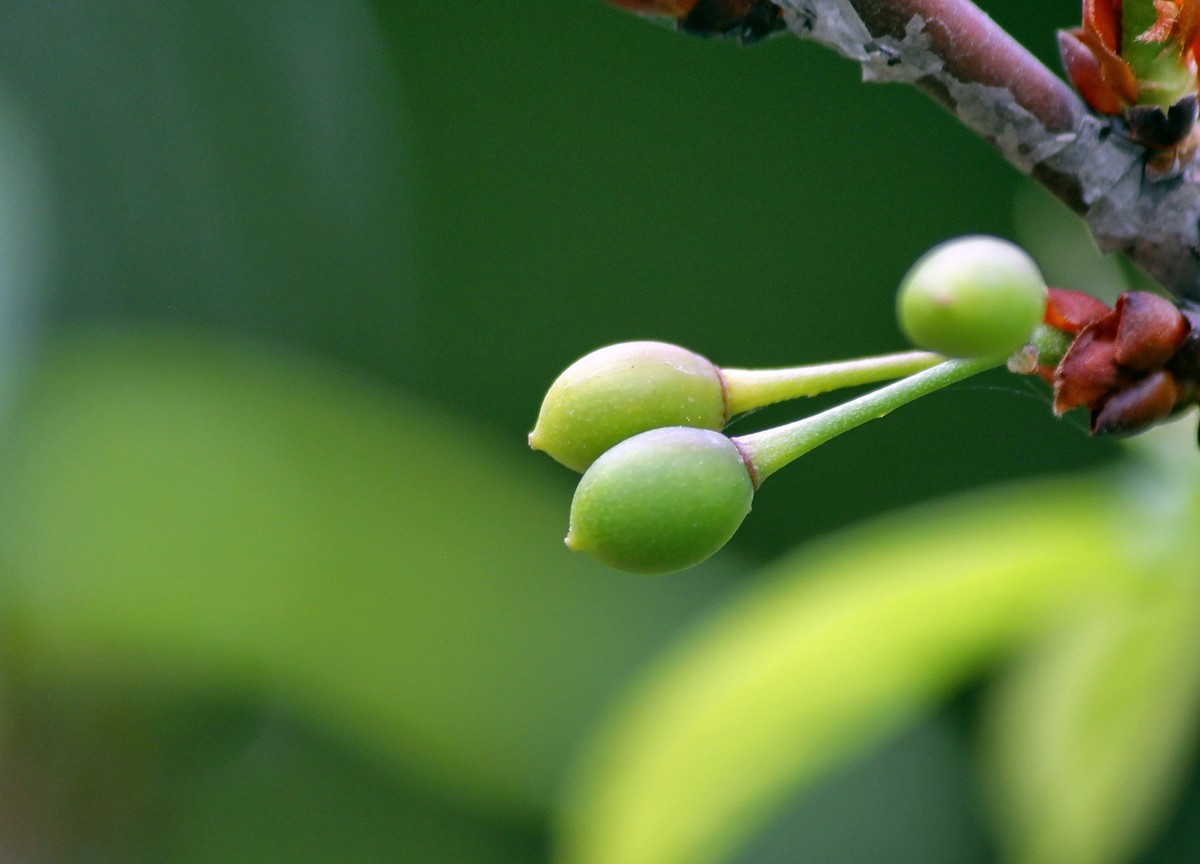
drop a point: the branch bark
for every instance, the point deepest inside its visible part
(968, 63)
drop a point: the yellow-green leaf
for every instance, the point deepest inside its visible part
(1089, 738)
(217, 515)
(837, 648)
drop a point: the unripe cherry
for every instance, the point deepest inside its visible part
(667, 499)
(619, 391)
(661, 501)
(972, 297)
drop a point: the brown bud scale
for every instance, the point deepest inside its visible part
(1130, 366)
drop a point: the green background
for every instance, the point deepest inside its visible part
(283, 287)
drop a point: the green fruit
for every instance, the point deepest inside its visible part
(661, 501)
(972, 297)
(619, 391)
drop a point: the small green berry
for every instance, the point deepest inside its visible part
(661, 501)
(619, 391)
(972, 297)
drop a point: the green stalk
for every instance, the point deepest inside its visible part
(768, 451)
(753, 388)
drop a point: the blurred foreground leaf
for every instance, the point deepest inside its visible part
(1091, 736)
(845, 644)
(221, 517)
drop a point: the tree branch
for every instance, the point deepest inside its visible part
(964, 60)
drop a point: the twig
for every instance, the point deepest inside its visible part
(968, 63)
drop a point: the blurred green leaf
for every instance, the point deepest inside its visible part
(219, 516)
(1091, 736)
(844, 644)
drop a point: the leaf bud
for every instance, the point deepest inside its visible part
(616, 392)
(661, 501)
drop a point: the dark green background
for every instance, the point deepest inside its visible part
(451, 202)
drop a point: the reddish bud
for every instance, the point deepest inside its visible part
(1160, 31)
(1088, 371)
(1073, 310)
(1103, 18)
(1186, 362)
(1149, 332)
(1154, 90)
(1130, 366)
(1187, 26)
(1083, 69)
(1138, 406)
(1178, 20)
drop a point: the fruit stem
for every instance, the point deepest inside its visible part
(768, 451)
(746, 389)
